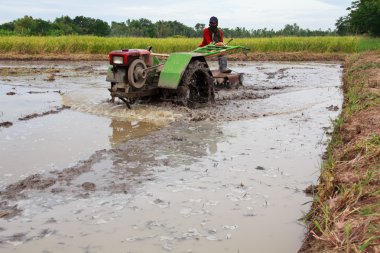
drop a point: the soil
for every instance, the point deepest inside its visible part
(8, 211)
(6, 124)
(160, 176)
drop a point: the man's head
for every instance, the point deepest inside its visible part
(214, 21)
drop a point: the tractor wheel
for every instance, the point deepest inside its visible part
(196, 86)
(136, 74)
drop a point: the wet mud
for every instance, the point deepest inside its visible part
(6, 124)
(36, 115)
(96, 177)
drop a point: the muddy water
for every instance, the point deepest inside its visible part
(156, 179)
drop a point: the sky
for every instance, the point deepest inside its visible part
(251, 14)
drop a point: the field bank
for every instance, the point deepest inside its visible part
(345, 213)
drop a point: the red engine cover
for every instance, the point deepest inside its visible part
(126, 53)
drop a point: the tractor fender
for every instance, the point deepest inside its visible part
(175, 66)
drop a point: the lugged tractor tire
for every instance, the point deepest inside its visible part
(196, 86)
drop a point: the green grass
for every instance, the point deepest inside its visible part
(356, 100)
(369, 44)
(101, 45)
(303, 44)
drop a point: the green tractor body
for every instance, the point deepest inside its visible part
(173, 70)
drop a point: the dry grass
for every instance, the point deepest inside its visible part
(345, 216)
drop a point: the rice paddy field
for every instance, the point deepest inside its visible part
(102, 45)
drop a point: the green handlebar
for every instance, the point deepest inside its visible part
(211, 49)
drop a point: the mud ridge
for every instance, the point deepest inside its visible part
(36, 115)
(6, 124)
(39, 182)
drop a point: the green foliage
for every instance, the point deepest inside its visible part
(199, 29)
(27, 26)
(364, 18)
(61, 26)
(6, 32)
(142, 27)
(173, 28)
(288, 30)
(90, 26)
(118, 29)
(369, 44)
(64, 26)
(343, 26)
(365, 244)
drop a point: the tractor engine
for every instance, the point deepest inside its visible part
(128, 69)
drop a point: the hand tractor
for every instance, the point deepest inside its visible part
(184, 78)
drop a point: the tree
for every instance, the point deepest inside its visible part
(292, 30)
(10, 26)
(100, 28)
(143, 27)
(30, 26)
(64, 26)
(199, 28)
(364, 17)
(343, 26)
(24, 25)
(90, 26)
(118, 29)
(41, 27)
(137, 27)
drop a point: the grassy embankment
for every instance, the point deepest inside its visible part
(99, 47)
(345, 216)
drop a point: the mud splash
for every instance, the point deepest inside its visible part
(227, 178)
(141, 113)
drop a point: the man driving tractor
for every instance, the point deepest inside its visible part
(214, 34)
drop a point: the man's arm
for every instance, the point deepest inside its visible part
(206, 38)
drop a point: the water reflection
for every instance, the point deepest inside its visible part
(123, 130)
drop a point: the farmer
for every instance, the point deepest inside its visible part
(214, 34)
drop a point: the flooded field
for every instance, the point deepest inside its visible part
(78, 174)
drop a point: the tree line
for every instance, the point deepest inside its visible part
(143, 27)
(364, 17)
